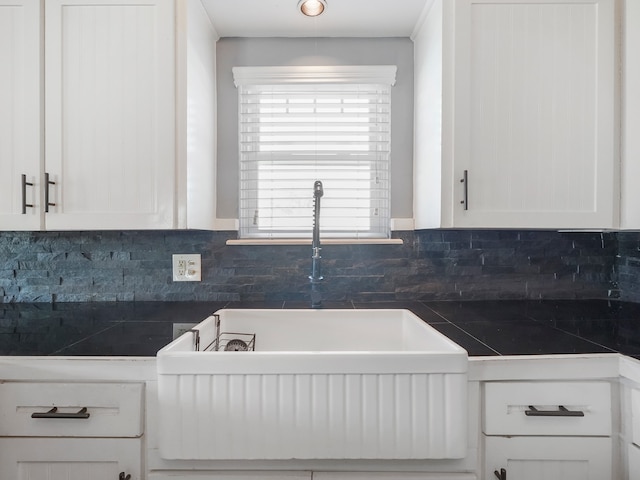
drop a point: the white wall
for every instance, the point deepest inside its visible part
(197, 117)
(428, 119)
(433, 124)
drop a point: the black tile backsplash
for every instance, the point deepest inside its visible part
(431, 265)
(628, 266)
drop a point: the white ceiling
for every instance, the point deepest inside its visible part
(342, 18)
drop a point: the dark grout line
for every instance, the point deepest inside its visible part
(572, 334)
(73, 344)
(462, 329)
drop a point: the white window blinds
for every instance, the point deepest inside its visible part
(295, 128)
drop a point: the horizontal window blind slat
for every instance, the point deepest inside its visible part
(280, 122)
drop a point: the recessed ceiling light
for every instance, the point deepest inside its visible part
(312, 8)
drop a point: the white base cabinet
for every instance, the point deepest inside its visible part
(116, 440)
(543, 429)
(311, 475)
(70, 459)
(535, 458)
(71, 430)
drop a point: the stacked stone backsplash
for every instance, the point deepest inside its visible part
(430, 265)
(628, 266)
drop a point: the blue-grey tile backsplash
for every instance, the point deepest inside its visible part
(430, 265)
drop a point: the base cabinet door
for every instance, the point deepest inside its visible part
(230, 475)
(392, 476)
(535, 458)
(70, 459)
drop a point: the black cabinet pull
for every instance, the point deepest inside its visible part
(53, 413)
(561, 412)
(465, 181)
(47, 183)
(501, 475)
(24, 194)
(123, 476)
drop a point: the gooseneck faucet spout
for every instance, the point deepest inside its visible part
(316, 273)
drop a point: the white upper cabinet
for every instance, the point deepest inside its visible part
(522, 125)
(20, 113)
(107, 115)
(110, 115)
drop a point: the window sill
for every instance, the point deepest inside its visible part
(324, 241)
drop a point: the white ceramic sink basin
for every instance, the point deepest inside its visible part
(320, 384)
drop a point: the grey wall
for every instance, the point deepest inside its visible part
(430, 265)
(233, 52)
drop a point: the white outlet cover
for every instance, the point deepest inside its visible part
(187, 267)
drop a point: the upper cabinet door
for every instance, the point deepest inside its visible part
(110, 115)
(535, 118)
(20, 108)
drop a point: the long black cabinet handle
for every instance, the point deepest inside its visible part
(53, 413)
(501, 475)
(465, 181)
(24, 194)
(561, 412)
(47, 183)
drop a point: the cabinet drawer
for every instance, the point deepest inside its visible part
(507, 409)
(635, 416)
(392, 476)
(230, 475)
(112, 409)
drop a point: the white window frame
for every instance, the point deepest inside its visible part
(382, 77)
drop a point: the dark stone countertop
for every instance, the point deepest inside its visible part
(481, 327)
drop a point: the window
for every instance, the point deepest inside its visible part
(299, 125)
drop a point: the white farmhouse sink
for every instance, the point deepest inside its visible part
(320, 384)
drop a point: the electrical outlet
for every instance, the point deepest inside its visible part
(187, 267)
(181, 328)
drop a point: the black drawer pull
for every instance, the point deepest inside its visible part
(24, 194)
(561, 412)
(53, 413)
(47, 183)
(124, 476)
(500, 475)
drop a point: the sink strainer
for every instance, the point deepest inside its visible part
(236, 345)
(226, 341)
